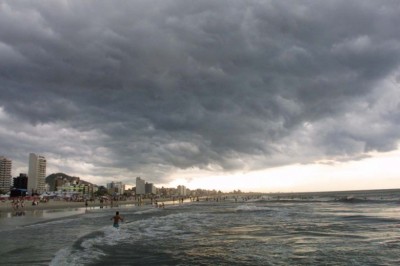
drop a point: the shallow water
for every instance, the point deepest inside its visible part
(263, 231)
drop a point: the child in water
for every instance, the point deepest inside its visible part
(117, 218)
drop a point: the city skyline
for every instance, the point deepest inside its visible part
(262, 96)
(37, 170)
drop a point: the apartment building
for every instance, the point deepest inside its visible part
(36, 174)
(5, 174)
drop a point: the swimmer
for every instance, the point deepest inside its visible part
(117, 218)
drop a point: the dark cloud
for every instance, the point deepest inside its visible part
(146, 87)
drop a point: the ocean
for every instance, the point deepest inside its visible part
(336, 228)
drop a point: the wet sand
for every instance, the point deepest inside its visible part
(58, 204)
(6, 206)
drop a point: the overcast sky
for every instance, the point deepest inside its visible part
(112, 90)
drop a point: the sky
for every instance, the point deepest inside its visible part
(266, 96)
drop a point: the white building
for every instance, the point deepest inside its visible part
(181, 190)
(140, 186)
(5, 174)
(36, 174)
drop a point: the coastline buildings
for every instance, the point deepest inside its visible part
(116, 188)
(21, 182)
(72, 186)
(181, 190)
(61, 182)
(36, 174)
(140, 186)
(76, 189)
(150, 188)
(144, 188)
(20, 185)
(5, 174)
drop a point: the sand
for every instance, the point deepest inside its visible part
(6, 206)
(57, 204)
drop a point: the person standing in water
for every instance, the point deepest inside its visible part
(117, 218)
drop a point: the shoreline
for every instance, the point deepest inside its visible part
(57, 204)
(6, 207)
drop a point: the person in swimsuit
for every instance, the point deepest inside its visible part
(117, 218)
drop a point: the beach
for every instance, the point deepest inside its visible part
(6, 206)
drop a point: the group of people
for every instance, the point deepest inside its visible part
(159, 205)
(17, 204)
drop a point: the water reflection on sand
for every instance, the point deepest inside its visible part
(18, 218)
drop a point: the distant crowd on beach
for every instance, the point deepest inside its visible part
(19, 203)
(27, 203)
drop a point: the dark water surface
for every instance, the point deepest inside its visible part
(325, 229)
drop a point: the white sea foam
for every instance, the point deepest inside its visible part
(63, 221)
(152, 210)
(67, 256)
(61, 257)
(250, 207)
(89, 252)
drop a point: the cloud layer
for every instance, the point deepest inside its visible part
(144, 88)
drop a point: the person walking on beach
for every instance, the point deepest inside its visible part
(117, 218)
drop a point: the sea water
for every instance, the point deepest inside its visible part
(307, 229)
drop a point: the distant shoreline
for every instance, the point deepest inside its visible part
(6, 206)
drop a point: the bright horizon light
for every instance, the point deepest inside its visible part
(380, 171)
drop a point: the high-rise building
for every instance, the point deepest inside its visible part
(20, 185)
(150, 188)
(5, 174)
(140, 186)
(36, 174)
(21, 182)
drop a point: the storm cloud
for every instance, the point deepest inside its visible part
(145, 88)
